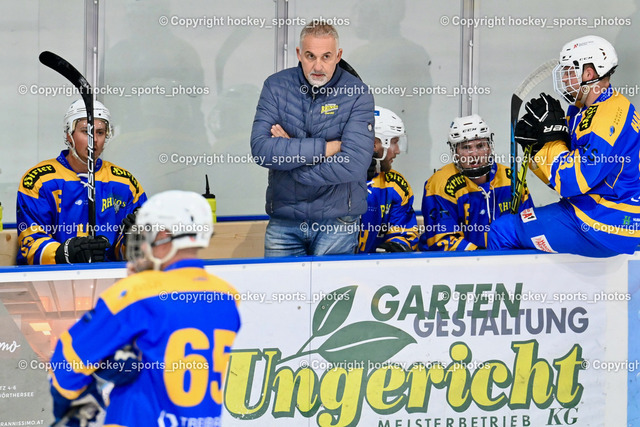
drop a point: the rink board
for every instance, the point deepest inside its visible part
(506, 340)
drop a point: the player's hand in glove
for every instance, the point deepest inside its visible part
(79, 412)
(127, 225)
(129, 221)
(545, 121)
(82, 249)
(526, 134)
(393, 247)
(121, 368)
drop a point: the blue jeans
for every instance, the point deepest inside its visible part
(289, 237)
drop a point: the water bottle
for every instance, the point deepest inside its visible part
(211, 198)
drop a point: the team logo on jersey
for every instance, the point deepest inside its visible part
(455, 183)
(398, 179)
(587, 118)
(110, 202)
(125, 174)
(528, 215)
(541, 243)
(329, 109)
(30, 179)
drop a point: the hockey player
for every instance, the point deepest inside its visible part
(181, 319)
(52, 209)
(389, 225)
(594, 168)
(462, 199)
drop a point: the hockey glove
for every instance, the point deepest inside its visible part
(393, 247)
(79, 412)
(127, 225)
(129, 221)
(548, 119)
(526, 134)
(122, 367)
(82, 249)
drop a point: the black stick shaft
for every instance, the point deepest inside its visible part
(63, 67)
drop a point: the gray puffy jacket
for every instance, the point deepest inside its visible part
(303, 184)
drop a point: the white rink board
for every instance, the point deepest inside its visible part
(355, 355)
(562, 292)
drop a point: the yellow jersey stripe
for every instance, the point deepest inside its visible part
(72, 357)
(68, 394)
(623, 207)
(580, 179)
(151, 284)
(607, 228)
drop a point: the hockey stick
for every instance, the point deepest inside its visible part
(63, 67)
(519, 178)
(348, 68)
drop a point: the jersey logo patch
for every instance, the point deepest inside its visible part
(398, 179)
(329, 109)
(587, 118)
(455, 183)
(30, 179)
(528, 215)
(126, 174)
(541, 243)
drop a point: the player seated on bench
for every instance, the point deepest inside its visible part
(462, 199)
(52, 208)
(389, 225)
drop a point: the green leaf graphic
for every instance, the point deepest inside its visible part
(370, 341)
(333, 310)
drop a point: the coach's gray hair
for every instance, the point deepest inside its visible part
(319, 28)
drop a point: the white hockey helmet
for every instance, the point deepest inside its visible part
(388, 125)
(469, 128)
(185, 215)
(78, 111)
(567, 76)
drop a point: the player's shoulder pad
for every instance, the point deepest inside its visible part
(606, 119)
(30, 179)
(507, 170)
(502, 177)
(123, 173)
(131, 289)
(447, 181)
(454, 184)
(397, 178)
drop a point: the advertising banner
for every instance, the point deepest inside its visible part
(411, 341)
(428, 342)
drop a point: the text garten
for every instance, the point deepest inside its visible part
(384, 306)
(339, 395)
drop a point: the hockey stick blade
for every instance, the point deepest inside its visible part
(519, 177)
(63, 67)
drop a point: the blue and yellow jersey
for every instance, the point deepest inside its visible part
(390, 216)
(599, 174)
(458, 212)
(52, 207)
(184, 322)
